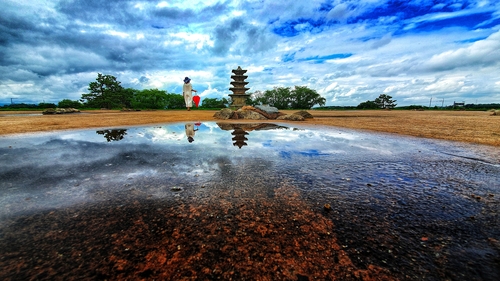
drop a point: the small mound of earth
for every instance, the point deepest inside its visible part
(260, 113)
(291, 117)
(304, 114)
(60, 110)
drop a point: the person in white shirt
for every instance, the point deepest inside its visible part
(187, 88)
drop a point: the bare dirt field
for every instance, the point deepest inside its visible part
(477, 127)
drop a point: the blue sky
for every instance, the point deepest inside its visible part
(348, 51)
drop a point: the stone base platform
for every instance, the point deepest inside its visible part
(260, 113)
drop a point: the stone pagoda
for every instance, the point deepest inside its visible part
(238, 97)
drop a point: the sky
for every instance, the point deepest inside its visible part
(420, 52)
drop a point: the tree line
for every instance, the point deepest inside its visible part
(299, 97)
(107, 92)
(382, 102)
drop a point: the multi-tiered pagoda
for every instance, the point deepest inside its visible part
(238, 97)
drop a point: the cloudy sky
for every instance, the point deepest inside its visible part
(349, 51)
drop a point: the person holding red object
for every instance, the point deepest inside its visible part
(196, 100)
(187, 90)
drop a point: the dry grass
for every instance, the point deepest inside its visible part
(466, 126)
(95, 119)
(473, 127)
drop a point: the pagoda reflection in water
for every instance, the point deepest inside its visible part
(239, 137)
(240, 131)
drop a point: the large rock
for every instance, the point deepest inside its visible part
(60, 110)
(267, 108)
(71, 110)
(224, 114)
(49, 111)
(268, 115)
(250, 115)
(291, 117)
(246, 112)
(304, 114)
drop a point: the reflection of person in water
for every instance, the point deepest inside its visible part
(190, 131)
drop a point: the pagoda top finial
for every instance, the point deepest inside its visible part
(239, 71)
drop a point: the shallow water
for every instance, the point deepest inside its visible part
(20, 114)
(247, 201)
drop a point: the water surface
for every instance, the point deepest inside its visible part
(246, 201)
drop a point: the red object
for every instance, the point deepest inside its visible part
(197, 124)
(196, 100)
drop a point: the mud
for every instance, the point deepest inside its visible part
(143, 203)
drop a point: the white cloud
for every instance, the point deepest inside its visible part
(196, 40)
(117, 33)
(446, 85)
(483, 52)
(340, 12)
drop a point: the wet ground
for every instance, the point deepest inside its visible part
(246, 202)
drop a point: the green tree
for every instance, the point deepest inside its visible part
(67, 103)
(385, 101)
(126, 97)
(301, 97)
(279, 97)
(46, 105)
(367, 105)
(304, 98)
(214, 103)
(417, 107)
(255, 98)
(175, 101)
(150, 99)
(106, 92)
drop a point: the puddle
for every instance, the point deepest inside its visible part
(20, 114)
(247, 201)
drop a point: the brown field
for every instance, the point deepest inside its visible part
(477, 127)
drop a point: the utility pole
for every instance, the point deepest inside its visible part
(442, 102)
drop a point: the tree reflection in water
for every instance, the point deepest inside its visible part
(113, 135)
